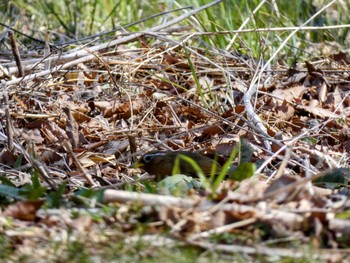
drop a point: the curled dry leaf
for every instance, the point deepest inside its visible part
(53, 132)
(285, 111)
(225, 149)
(125, 111)
(8, 157)
(23, 210)
(341, 58)
(289, 94)
(49, 156)
(319, 112)
(33, 135)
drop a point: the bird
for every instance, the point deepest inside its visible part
(161, 163)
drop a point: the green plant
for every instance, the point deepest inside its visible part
(243, 171)
(29, 191)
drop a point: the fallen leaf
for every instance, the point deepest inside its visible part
(24, 210)
(323, 113)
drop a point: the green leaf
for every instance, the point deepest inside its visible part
(91, 193)
(54, 199)
(35, 180)
(4, 180)
(10, 191)
(309, 140)
(18, 162)
(28, 191)
(149, 187)
(243, 171)
(176, 167)
(195, 77)
(246, 151)
(344, 215)
(178, 185)
(204, 180)
(34, 190)
(334, 178)
(32, 193)
(225, 168)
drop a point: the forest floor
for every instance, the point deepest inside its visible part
(73, 121)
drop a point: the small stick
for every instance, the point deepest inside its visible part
(16, 54)
(8, 117)
(78, 164)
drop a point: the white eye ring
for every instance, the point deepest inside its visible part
(148, 157)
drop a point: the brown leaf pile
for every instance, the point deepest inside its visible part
(86, 123)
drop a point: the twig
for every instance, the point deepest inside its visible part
(291, 219)
(222, 229)
(34, 115)
(35, 163)
(282, 166)
(270, 29)
(9, 127)
(16, 54)
(72, 128)
(254, 118)
(78, 165)
(43, 174)
(288, 187)
(111, 195)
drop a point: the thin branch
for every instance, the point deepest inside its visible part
(16, 54)
(78, 164)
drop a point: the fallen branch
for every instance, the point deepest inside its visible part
(292, 220)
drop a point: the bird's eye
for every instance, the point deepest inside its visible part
(147, 158)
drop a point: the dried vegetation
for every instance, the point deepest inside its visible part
(82, 116)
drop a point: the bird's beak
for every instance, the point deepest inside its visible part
(137, 164)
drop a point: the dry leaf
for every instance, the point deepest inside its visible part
(323, 113)
(322, 92)
(289, 94)
(24, 210)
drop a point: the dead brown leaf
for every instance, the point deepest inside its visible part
(24, 210)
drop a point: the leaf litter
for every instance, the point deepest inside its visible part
(84, 125)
